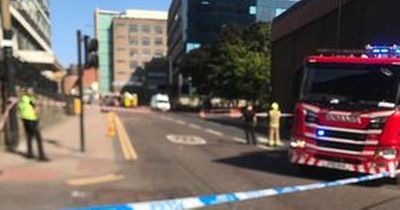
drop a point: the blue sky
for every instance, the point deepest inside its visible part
(67, 16)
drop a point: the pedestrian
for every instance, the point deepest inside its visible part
(28, 113)
(274, 125)
(250, 121)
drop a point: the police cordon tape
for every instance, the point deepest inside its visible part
(217, 199)
(233, 113)
(60, 104)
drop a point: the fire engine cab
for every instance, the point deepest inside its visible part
(348, 113)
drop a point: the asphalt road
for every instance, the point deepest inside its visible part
(167, 169)
(220, 163)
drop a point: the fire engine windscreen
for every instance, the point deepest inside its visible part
(351, 84)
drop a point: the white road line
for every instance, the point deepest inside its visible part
(194, 126)
(169, 118)
(262, 139)
(240, 140)
(217, 133)
(180, 122)
(264, 147)
(215, 124)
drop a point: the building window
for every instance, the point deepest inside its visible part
(134, 41)
(134, 53)
(145, 41)
(146, 54)
(120, 72)
(158, 54)
(192, 46)
(253, 10)
(146, 29)
(158, 29)
(120, 25)
(120, 61)
(133, 28)
(134, 65)
(279, 11)
(158, 41)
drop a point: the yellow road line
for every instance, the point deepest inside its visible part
(94, 180)
(126, 144)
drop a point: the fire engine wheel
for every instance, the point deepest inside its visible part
(306, 170)
(395, 180)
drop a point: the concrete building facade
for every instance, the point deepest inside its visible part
(138, 37)
(32, 34)
(126, 41)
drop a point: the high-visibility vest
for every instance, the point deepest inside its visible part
(26, 108)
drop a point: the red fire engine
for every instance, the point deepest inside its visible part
(348, 117)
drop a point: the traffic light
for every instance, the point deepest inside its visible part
(91, 56)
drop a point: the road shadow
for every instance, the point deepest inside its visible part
(57, 144)
(19, 153)
(277, 162)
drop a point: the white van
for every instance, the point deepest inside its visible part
(160, 102)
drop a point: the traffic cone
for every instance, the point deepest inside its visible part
(111, 125)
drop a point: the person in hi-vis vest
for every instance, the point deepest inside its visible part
(30, 119)
(274, 125)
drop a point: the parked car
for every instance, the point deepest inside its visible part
(160, 102)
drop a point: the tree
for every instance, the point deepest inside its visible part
(237, 66)
(195, 65)
(241, 65)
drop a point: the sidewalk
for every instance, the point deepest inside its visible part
(62, 145)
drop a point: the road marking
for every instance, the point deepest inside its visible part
(262, 139)
(194, 126)
(217, 133)
(186, 139)
(180, 122)
(126, 144)
(169, 118)
(78, 194)
(240, 140)
(263, 147)
(94, 180)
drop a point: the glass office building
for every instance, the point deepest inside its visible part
(267, 10)
(103, 24)
(194, 23)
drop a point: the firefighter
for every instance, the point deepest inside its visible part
(27, 111)
(250, 122)
(274, 125)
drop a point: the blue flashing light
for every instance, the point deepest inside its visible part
(320, 133)
(376, 51)
(384, 50)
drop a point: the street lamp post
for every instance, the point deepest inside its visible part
(11, 134)
(170, 75)
(80, 84)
